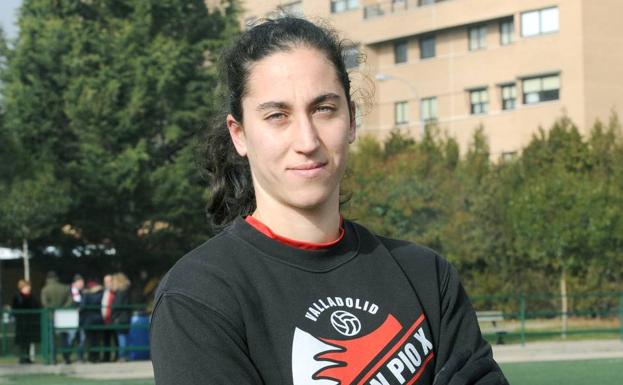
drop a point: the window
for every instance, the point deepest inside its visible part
(477, 38)
(549, 20)
(427, 46)
(428, 112)
(508, 156)
(400, 113)
(509, 96)
(371, 11)
(479, 101)
(294, 8)
(400, 51)
(539, 22)
(338, 6)
(541, 89)
(351, 57)
(507, 32)
(399, 5)
(428, 2)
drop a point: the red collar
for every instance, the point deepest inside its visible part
(262, 228)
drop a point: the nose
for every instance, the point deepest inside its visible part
(306, 139)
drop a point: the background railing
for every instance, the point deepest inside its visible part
(530, 317)
(518, 318)
(47, 333)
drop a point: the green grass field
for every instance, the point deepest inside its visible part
(588, 372)
(63, 380)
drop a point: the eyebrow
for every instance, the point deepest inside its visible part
(325, 97)
(272, 105)
(283, 105)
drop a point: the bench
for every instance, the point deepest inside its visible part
(493, 316)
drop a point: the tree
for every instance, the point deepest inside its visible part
(400, 189)
(31, 208)
(508, 225)
(561, 215)
(606, 226)
(113, 95)
(7, 149)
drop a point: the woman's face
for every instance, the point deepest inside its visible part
(26, 290)
(295, 131)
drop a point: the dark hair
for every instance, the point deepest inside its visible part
(228, 173)
(51, 275)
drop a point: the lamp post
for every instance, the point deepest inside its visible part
(382, 77)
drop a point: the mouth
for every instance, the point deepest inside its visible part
(308, 166)
(308, 170)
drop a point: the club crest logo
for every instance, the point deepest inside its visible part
(345, 323)
(367, 350)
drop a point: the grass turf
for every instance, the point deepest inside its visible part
(586, 372)
(50, 379)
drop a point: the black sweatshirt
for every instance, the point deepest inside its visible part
(245, 309)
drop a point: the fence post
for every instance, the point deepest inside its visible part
(621, 315)
(52, 337)
(47, 335)
(522, 316)
(44, 323)
(5, 337)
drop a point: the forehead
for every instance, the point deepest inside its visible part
(298, 72)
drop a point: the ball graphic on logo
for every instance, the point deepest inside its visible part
(345, 323)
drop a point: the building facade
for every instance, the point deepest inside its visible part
(511, 66)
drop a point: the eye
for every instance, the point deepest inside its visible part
(276, 116)
(325, 108)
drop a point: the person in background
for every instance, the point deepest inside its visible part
(107, 299)
(121, 312)
(137, 294)
(78, 336)
(57, 295)
(76, 289)
(90, 316)
(27, 328)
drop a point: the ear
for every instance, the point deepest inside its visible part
(352, 132)
(236, 132)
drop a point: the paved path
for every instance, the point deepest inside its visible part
(559, 351)
(535, 351)
(109, 371)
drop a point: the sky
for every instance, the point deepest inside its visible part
(8, 17)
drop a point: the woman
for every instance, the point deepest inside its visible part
(289, 292)
(91, 317)
(121, 312)
(27, 326)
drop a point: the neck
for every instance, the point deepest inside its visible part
(317, 225)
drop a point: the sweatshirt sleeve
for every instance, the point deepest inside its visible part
(465, 357)
(194, 344)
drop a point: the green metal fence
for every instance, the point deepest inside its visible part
(530, 317)
(521, 318)
(47, 333)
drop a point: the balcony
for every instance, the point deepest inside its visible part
(387, 7)
(386, 20)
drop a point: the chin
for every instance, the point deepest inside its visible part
(309, 200)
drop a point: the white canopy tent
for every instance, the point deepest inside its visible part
(6, 253)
